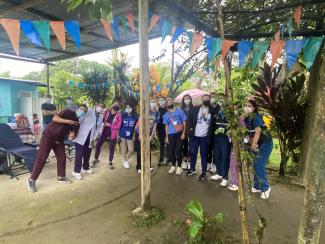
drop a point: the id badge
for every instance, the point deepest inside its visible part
(174, 122)
(127, 133)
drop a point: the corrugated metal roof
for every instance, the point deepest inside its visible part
(28, 82)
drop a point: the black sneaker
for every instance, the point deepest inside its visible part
(161, 163)
(191, 172)
(110, 165)
(64, 180)
(31, 185)
(96, 161)
(202, 177)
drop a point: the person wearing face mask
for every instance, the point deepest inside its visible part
(112, 121)
(187, 105)
(70, 105)
(48, 111)
(83, 142)
(215, 106)
(261, 146)
(99, 112)
(200, 127)
(174, 120)
(129, 120)
(161, 130)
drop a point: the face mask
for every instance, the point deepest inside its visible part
(187, 101)
(128, 110)
(213, 101)
(248, 110)
(99, 109)
(153, 105)
(171, 106)
(162, 103)
(80, 114)
(206, 103)
(116, 108)
(48, 100)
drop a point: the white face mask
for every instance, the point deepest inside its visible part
(153, 105)
(213, 100)
(187, 101)
(99, 109)
(128, 110)
(248, 110)
(48, 100)
(162, 103)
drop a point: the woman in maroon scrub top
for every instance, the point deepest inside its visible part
(64, 124)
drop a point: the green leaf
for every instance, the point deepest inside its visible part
(220, 217)
(195, 208)
(194, 229)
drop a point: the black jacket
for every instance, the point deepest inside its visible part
(192, 121)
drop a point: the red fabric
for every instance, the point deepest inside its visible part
(276, 48)
(226, 45)
(297, 15)
(108, 29)
(277, 35)
(12, 27)
(196, 42)
(153, 22)
(130, 19)
(59, 30)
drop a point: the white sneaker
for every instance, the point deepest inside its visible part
(139, 171)
(254, 190)
(224, 183)
(89, 171)
(179, 171)
(172, 170)
(216, 177)
(189, 165)
(151, 169)
(208, 167)
(213, 169)
(126, 164)
(77, 176)
(184, 165)
(233, 187)
(266, 194)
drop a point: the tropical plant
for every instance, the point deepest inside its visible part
(286, 103)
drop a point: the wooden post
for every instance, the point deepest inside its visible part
(236, 147)
(144, 104)
(48, 77)
(311, 217)
(172, 83)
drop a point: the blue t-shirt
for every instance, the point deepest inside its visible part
(174, 118)
(128, 124)
(252, 124)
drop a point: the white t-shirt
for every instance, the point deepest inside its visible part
(203, 122)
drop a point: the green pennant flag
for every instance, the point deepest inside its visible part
(259, 48)
(123, 20)
(311, 48)
(289, 26)
(43, 29)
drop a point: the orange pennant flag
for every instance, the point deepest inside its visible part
(12, 27)
(153, 22)
(196, 42)
(130, 19)
(108, 29)
(226, 45)
(277, 35)
(276, 48)
(297, 15)
(59, 31)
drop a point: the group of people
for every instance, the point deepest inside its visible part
(182, 130)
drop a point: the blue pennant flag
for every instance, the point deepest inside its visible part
(30, 32)
(165, 29)
(244, 48)
(115, 27)
(179, 31)
(74, 30)
(292, 49)
(213, 46)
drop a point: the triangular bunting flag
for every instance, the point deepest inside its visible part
(153, 22)
(43, 29)
(311, 48)
(277, 35)
(226, 45)
(276, 48)
(297, 15)
(12, 27)
(178, 31)
(244, 48)
(165, 30)
(289, 26)
(30, 32)
(74, 30)
(115, 27)
(196, 42)
(108, 29)
(259, 49)
(59, 31)
(130, 19)
(213, 46)
(293, 48)
(124, 23)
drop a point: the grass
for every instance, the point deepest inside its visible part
(147, 219)
(275, 157)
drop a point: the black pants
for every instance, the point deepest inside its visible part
(210, 152)
(185, 148)
(137, 148)
(174, 149)
(162, 145)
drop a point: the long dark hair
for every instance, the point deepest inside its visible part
(183, 103)
(254, 104)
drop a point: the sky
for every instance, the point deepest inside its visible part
(20, 68)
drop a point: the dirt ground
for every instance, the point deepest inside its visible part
(96, 209)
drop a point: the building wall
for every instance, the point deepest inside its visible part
(5, 99)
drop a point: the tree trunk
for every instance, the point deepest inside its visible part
(311, 217)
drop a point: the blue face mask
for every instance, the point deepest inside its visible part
(80, 114)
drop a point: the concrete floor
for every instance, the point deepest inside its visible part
(96, 209)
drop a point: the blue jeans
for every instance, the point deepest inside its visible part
(221, 155)
(195, 143)
(259, 161)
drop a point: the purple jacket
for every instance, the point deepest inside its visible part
(116, 125)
